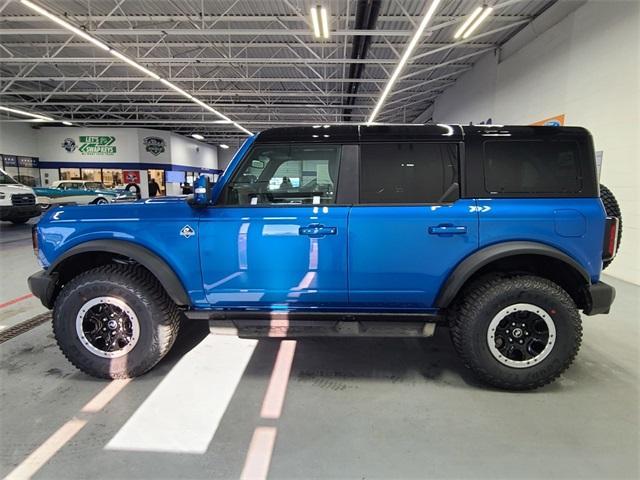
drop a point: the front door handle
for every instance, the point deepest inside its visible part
(315, 230)
(448, 230)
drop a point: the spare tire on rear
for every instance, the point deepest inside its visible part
(613, 210)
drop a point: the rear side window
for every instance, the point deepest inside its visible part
(407, 172)
(518, 167)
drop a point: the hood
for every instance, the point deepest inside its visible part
(153, 210)
(12, 188)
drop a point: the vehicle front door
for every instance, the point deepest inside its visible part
(409, 229)
(276, 237)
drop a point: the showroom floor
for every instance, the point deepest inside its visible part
(354, 408)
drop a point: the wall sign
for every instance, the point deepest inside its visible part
(10, 160)
(97, 145)
(131, 176)
(28, 162)
(557, 121)
(69, 144)
(154, 145)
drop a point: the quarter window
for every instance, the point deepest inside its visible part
(292, 174)
(407, 172)
(532, 167)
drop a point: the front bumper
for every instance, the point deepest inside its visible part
(600, 297)
(12, 212)
(43, 286)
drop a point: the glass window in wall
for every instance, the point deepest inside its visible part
(29, 176)
(111, 177)
(158, 175)
(69, 174)
(93, 174)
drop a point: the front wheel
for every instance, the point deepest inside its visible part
(101, 201)
(20, 221)
(516, 333)
(115, 321)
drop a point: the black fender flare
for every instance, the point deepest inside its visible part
(474, 262)
(145, 257)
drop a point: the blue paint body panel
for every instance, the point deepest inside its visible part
(258, 258)
(154, 224)
(394, 260)
(574, 226)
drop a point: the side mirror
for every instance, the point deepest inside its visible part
(201, 191)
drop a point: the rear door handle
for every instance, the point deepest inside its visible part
(448, 230)
(315, 230)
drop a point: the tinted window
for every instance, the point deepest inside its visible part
(406, 172)
(292, 174)
(532, 167)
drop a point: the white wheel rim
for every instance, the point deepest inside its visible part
(125, 311)
(493, 330)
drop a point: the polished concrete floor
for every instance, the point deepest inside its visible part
(221, 407)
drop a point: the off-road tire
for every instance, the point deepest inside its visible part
(612, 208)
(157, 315)
(470, 318)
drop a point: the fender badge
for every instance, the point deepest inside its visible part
(187, 231)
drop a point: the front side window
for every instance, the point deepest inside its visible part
(517, 167)
(286, 174)
(409, 173)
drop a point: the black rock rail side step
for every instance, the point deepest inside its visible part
(318, 324)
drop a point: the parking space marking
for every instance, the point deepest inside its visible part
(65, 433)
(182, 414)
(98, 402)
(277, 389)
(47, 450)
(258, 459)
(16, 300)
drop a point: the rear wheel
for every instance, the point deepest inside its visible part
(517, 333)
(20, 221)
(613, 210)
(115, 321)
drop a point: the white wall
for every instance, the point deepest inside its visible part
(19, 139)
(586, 67)
(186, 151)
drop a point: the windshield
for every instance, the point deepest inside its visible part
(5, 178)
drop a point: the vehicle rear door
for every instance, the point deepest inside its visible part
(278, 238)
(410, 228)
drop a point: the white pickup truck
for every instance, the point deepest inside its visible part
(17, 201)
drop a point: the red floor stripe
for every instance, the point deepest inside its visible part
(16, 300)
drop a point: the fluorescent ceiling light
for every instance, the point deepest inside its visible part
(135, 64)
(475, 24)
(467, 22)
(223, 146)
(128, 60)
(61, 22)
(324, 22)
(42, 118)
(316, 22)
(405, 58)
(197, 136)
(68, 124)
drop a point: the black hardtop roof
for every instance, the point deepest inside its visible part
(381, 133)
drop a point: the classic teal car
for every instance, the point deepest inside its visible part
(80, 192)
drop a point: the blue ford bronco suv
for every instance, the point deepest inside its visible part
(498, 232)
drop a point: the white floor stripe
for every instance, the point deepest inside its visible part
(183, 412)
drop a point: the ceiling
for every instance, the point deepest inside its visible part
(255, 61)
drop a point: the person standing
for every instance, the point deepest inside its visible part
(154, 188)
